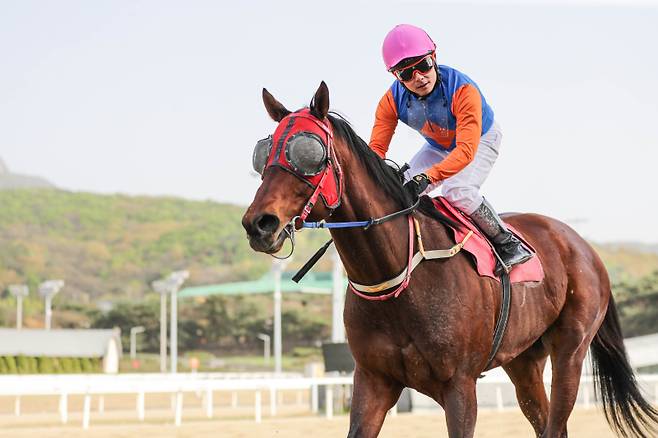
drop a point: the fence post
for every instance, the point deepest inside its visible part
(179, 408)
(257, 407)
(499, 398)
(101, 404)
(272, 401)
(86, 408)
(314, 398)
(329, 401)
(209, 403)
(17, 406)
(64, 408)
(140, 405)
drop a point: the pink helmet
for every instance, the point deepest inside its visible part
(405, 41)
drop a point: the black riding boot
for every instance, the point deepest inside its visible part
(511, 250)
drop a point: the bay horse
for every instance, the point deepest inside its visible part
(436, 335)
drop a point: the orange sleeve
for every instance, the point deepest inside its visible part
(467, 108)
(386, 120)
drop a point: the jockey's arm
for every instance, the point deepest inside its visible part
(386, 120)
(467, 108)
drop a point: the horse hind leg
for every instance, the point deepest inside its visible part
(526, 372)
(373, 396)
(568, 341)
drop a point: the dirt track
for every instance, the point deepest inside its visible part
(509, 424)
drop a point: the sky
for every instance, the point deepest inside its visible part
(164, 97)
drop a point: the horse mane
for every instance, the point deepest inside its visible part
(385, 176)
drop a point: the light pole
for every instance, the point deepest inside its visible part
(169, 286)
(266, 346)
(160, 286)
(176, 280)
(47, 290)
(20, 291)
(133, 340)
(338, 299)
(277, 269)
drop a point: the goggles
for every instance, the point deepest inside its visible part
(407, 73)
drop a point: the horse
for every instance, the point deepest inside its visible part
(435, 336)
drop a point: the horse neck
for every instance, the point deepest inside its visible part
(380, 252)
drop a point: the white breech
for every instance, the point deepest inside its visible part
(463, 188)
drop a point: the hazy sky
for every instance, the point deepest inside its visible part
(158, 97)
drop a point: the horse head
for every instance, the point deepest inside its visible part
(298, 166)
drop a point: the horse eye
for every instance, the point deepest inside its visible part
(306, 153)
(261, 154)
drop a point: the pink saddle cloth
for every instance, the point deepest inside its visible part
(480, 248)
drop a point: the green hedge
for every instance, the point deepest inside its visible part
(50, 365)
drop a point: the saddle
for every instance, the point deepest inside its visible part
(482, 251)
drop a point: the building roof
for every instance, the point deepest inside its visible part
(57, 343)
(314, 283)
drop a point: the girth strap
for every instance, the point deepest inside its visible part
(503, 318)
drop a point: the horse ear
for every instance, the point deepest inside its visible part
(274, 108)
(320, 102)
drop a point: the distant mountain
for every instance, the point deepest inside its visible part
(9, 181)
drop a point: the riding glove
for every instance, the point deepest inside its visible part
(417, 185)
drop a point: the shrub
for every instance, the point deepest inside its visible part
(76, 368)
(46, 365)
(22, 364)
(11, 365)
(3, 366)
(57, 365)
(32, 365)
(86, 365)
(67, 365)
(98, 364)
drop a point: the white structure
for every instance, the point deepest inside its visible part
(133, 340)
(19, 291)
(47, 290)
(64, 343)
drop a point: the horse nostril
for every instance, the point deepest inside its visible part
(267, 223)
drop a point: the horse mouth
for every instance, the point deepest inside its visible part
(269, 244)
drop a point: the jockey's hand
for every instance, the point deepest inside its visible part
(417, 185)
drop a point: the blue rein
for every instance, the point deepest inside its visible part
(324, 224)
(361, 224)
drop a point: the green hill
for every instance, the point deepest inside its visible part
(111, 247)
(108, 247)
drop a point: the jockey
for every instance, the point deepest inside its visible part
(461, 136)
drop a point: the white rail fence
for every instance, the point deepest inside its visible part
(177, 385)
(495, 391)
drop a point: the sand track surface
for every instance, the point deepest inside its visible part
(508, 424)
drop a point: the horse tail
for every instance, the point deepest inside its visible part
(626, 410)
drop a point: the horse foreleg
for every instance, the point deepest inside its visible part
(526, 372)
(460, 405)
(373, 396)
